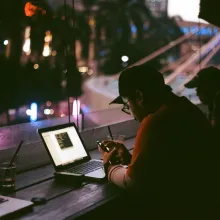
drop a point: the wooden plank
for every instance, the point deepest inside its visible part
(35, 152)
(48, 189)
(69, 204)
(34, 176)
(64, 200)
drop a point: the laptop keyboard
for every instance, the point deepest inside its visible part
(86, 167)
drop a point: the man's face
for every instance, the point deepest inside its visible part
(134, 108)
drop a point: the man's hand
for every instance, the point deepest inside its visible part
(107, 156)
(122, 154)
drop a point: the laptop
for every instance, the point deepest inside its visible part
(10, 205)
(68, 153)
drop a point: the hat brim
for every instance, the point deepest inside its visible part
(192, 83)
(118, 100)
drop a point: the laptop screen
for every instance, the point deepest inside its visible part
(64, 145)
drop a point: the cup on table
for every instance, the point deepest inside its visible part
(7, 177)
(117, 138)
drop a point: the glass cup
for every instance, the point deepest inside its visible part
(7, 177)
(117, 138)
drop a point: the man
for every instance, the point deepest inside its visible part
(207, 84)
(172, 143)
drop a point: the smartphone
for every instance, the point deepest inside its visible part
(114, 160)
(106, 149)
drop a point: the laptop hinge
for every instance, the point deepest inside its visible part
(66, 167)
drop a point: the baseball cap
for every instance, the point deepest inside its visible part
(207, 75)
(143, 77)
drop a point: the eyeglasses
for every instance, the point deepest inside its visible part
(126, 108)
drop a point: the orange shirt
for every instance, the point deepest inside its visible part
(140, 147)
(169, 174)
(177, 131)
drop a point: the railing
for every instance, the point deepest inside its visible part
(9, 135)
(202, 65)
(195, 57)
(159, 52)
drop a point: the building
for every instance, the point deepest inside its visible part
(157, 7)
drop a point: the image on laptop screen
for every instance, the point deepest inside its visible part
(63, 140)
(64, 145)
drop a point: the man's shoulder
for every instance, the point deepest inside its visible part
(165, 113)
(160, 118)
(181, 110)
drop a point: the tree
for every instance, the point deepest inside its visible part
(123, 19)
(11, 23)
(89, 3)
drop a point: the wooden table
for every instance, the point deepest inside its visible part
(63, 201)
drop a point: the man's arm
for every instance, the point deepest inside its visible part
(118, 175)
(125, 177)
(148, 137)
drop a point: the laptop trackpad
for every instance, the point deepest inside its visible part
(99, 174)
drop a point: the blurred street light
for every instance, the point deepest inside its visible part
(5, 42)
